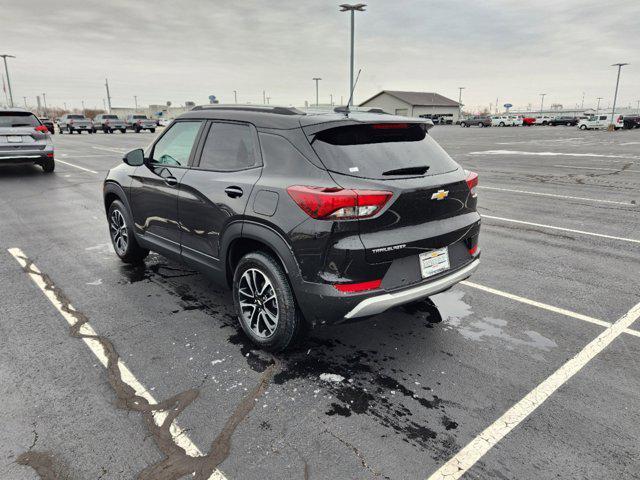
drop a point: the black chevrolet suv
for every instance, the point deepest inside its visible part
(310, 218)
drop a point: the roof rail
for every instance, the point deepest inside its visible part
(253, 108)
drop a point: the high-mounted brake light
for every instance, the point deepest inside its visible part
(389, 126)
(472, 182)
(357, 287)
(41, 128)
(333, 203)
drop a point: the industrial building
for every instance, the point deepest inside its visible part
(416, 104)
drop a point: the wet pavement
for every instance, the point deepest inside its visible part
(394, 397)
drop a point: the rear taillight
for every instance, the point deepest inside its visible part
(472, 182)
(473, 250)
(333, 203)
(41, 128)
(358, 287)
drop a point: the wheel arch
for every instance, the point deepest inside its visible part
(243, 237)
(113, 191)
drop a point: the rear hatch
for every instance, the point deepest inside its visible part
(79, 121)
(18, 132)
(431, 207)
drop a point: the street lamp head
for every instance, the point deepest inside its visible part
(4, 55)
(345, 7)
(619, 64)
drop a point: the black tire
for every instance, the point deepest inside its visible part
(152, 130)
(90, 132)
(123, 130)
(583, 127)
(463, 124)
(289, 321)
(48, 165)
(481, 125)
(501, 124)
(137, 130)
(128, 249)
(70, 131)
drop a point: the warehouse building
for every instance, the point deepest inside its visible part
(416, 104)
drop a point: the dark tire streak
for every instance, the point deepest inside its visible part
(176, 463)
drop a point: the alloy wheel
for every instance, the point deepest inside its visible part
(258, 303)
(119, 232)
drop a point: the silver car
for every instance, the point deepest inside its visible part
(108, 122)
(75, 122)
(25, 140)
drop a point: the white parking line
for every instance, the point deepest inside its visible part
(550, 154)
(479, 446)
(545, 306)
(597, 168)
(76, 166)
(582, 232)
(180, 437)
(568, 197)
(109, 149)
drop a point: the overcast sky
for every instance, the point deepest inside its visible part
(187, 50)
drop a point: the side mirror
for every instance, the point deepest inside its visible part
(135, 158)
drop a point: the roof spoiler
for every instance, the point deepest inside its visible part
(344, 109)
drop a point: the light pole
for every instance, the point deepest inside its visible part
(615, 95)
(6, 70)
(317, 79)
(638, 113)
(135, 99)
(542, 95)
(83, 107)
(235, 96)
(44, 98)
(460, 102)
(598, 107)
(25, 103)
(268, 98)
(582, 105)
(106, 85)
(331, 96)
(358, 7)
(264, 98)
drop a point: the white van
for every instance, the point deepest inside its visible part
(599, 121)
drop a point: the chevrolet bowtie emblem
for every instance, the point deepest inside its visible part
(440, 195)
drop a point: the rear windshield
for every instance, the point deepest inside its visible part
(18, 119)
(76, 117)
(142, 117)
(382, 151)
(110, 117)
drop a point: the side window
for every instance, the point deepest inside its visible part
(603, 117)
(229, 147)
(174, 148)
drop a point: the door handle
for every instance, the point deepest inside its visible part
(171, 181)
(233, 191)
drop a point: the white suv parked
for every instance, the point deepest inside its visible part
(502, 121)
(543, 119)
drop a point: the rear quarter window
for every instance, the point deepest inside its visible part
(382, 151)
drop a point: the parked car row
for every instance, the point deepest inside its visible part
(107, 123)
(583, 123)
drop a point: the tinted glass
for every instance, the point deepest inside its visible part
(139, 117)
(228, 147)
(110, 117)
(372, 150)
(174, 148)
(76, 117)
(18, 119)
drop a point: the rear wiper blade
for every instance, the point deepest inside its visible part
(408, 171)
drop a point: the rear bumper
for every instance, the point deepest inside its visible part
(16, 158)
(380, 303)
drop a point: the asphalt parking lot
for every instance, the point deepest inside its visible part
(529, 370)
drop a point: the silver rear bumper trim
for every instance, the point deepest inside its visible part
(380, 303)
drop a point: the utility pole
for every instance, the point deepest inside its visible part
(638, 113)
(496, 106)
(460, 102)
(268, 98)
(235, 96)
(264, 98)
(359, 7)
(317, 79)
(83, 107)
(615, 95)
(44, 98)
(582, 105)
(106, 84)
(65, 105)
(598, 107)
(6, 70)
(25, 103)
(331, 95)
(542, 95)
(104, 104)
(135, 99)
